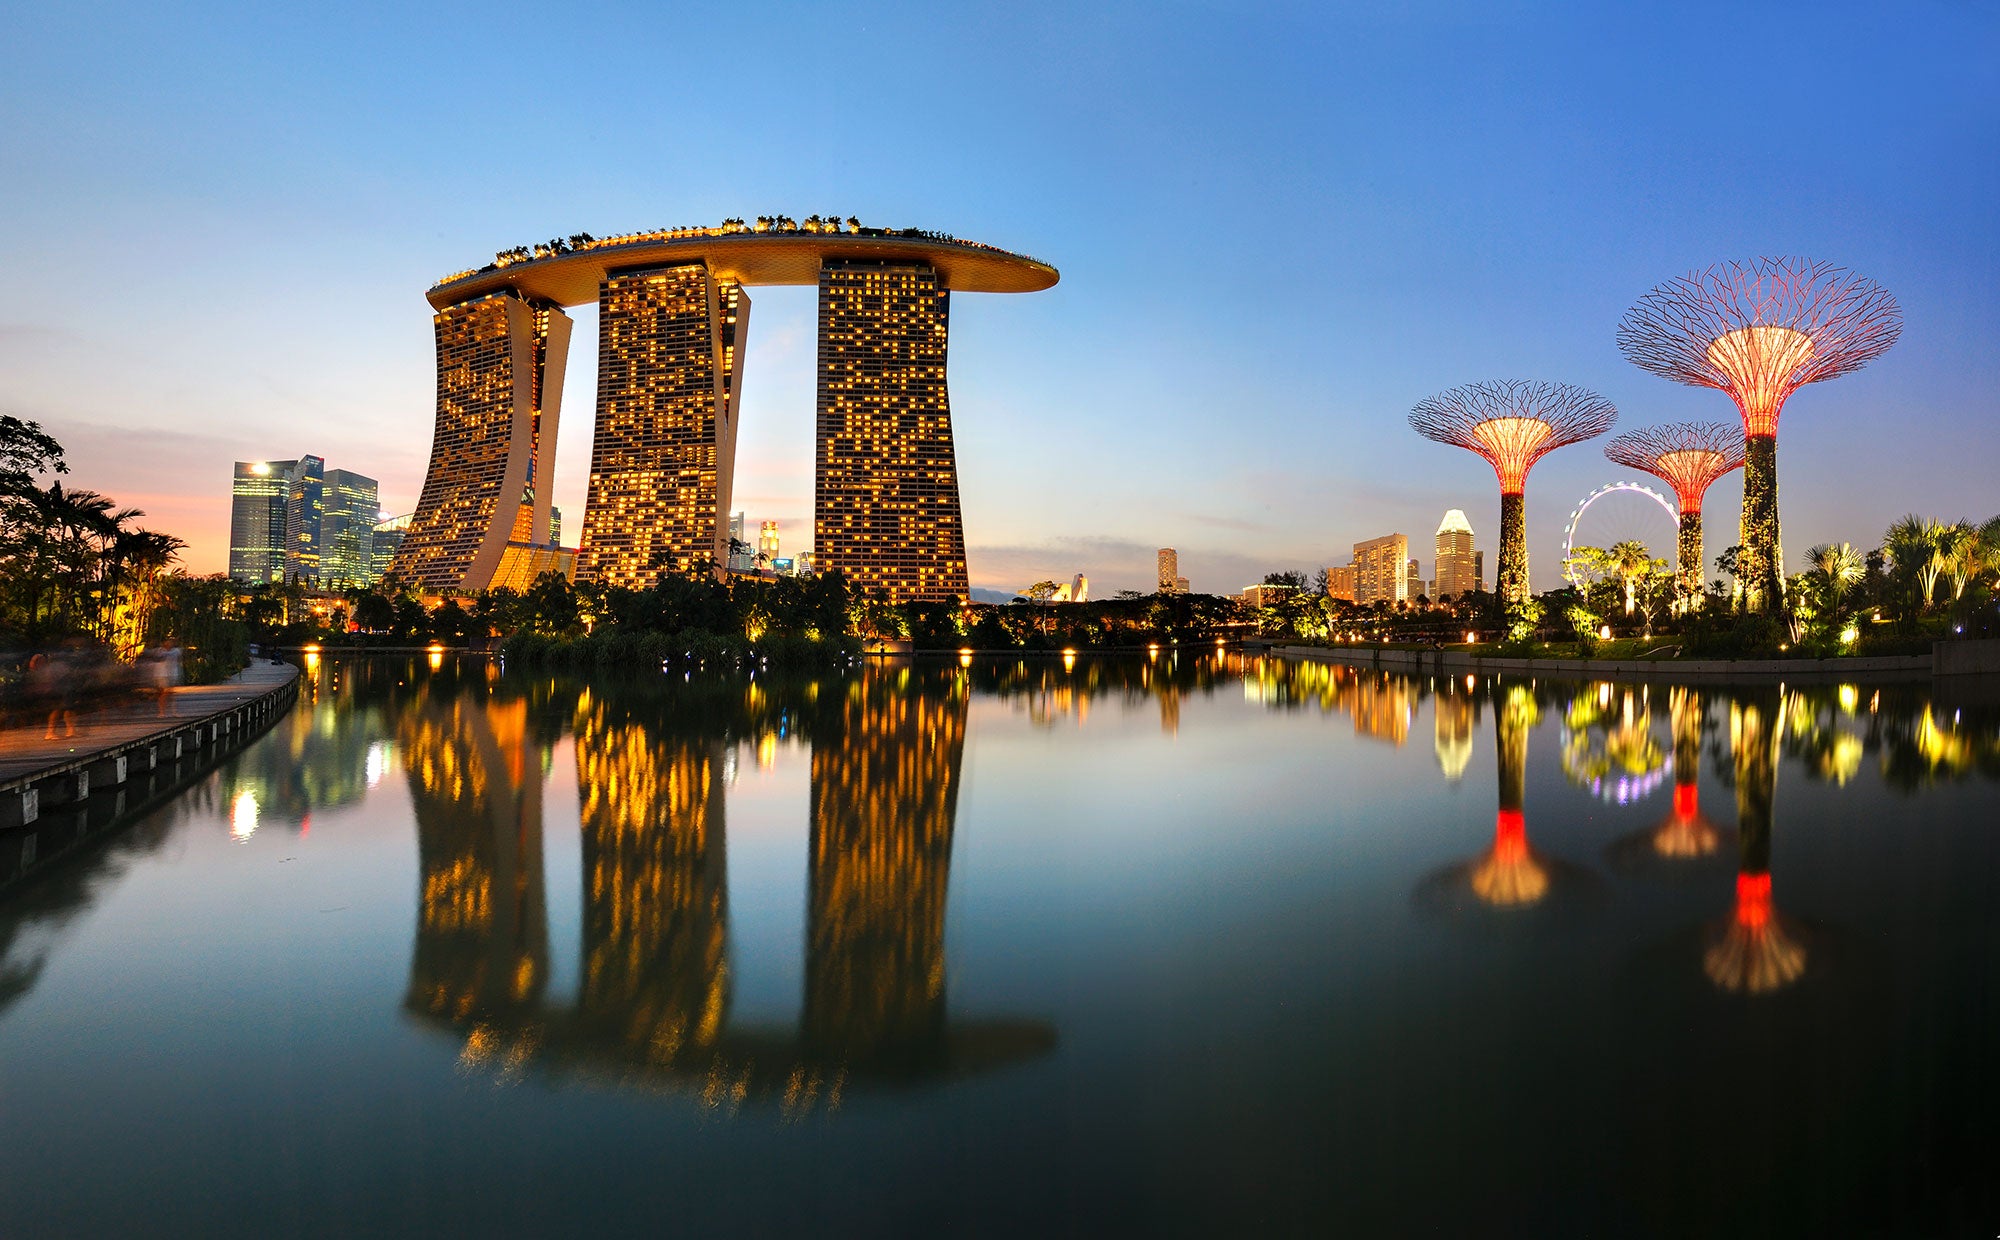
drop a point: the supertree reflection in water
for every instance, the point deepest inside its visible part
(1686, 836)
(1510, 875)
(1756, 951)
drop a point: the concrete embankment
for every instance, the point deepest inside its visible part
(55, 793)
(1797, 671)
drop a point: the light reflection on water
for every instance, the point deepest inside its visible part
(1181, 942)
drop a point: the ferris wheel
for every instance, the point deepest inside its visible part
(1618, 512)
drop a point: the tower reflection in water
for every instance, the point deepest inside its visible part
(653, 1003)
(1755, 951)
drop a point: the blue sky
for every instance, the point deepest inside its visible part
(1278, 228)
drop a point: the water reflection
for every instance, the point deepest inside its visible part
(1686, 835)
(1756, 950)
(653, 1005)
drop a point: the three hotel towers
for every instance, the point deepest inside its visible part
(673, 318)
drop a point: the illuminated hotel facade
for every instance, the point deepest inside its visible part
(1381, 569)
(673, 322)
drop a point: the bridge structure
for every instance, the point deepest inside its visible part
(673, 323)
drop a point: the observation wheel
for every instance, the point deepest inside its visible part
(1619, 512)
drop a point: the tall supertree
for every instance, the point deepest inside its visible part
(1759, 331)
(1513, 424)
(1689, 456)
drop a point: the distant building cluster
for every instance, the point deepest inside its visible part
(298, 521)
(766, 555)
(1171, 582)
(1383, 571)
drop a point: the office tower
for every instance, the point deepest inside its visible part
(1340, 582)
(1180, 585)
(349, 511)
(1079, 589)
(303, 507)
(259, 498)
(885, 509)
(1381, 569)
(555, 527)
(662, 459)
(500, 360)
(1414, 586)
(1458, 564)
(385, 541)
(1170, 567)
(767, 541)
(805, 564)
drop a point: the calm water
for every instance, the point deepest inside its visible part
(1196, 945)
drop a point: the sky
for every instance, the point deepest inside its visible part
(1278, 227)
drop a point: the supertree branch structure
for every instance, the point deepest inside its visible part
(1690, 456)
(1759, 331)
(1513, 424)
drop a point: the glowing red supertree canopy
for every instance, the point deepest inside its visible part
(1513, 424)
(1761, 330)
(1690, 456)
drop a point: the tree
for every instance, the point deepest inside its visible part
(1833, 568)
(1293, 580)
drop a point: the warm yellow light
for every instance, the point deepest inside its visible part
(1760, 362)
(243, 815)
(1604, 631)
(1850, 635)
(1471, 636)
(311, 647)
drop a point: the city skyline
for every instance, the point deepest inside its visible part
(1544, 219)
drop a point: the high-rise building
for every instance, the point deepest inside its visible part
(742, 555)
(383, 544)
(303, 508)
(555, 526)
(350, 508)
(500, 360)
(1414, 586)
(1458, 565)
(1381, 569)
(662, 461)
(1170, 567)
(259, 501)
(767, 540)
(885, 503)
(1340, 582)
(1079, 589)
(804, 564)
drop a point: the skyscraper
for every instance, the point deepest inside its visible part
(349, 511)
(661, 463)
(304, 505)
(1414, 583)
(259, 499)
(1170, 567)
(1340, 582)
(387, 538)
(1458, 565)
(555, 526)
(885, 503)
(500, 360)
(767, 540)
(1381, 569)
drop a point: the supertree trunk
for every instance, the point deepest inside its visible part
(1762, 563)
(1512, 582)
(1689, 562)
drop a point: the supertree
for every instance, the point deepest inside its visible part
(1513, 424)
(1759, 331)
(1689, 456)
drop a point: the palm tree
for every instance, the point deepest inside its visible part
(1959, 549)
(1912, 542)
(1835, 566)
(1631, 563)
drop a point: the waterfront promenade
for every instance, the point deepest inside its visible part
(114, 742)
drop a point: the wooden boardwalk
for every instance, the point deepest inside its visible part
(115, 740)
